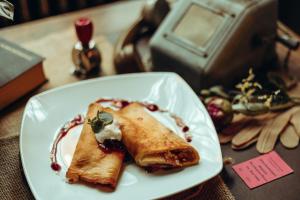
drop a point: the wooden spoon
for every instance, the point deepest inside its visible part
(295, 121)
(289, 138)
(271, 131)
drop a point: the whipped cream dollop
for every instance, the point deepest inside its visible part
(110, 132)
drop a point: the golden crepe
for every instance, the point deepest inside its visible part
(91, 163)
(151, 144)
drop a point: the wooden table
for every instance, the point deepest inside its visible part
(45, 36)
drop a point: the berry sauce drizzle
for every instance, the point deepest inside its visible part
(114, 145)
(79, 119)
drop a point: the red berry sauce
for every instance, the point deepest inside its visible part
(79, 119)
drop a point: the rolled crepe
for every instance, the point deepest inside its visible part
(152, 145)
(90, 163)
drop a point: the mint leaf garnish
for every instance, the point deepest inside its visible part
(100, 121)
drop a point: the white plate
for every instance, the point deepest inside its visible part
(45, 114)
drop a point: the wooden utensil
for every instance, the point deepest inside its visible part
(245, 145)
(289, 138)
(295, 121)
(252, 129)
(271, 131)
(247, 134)
(239, 122)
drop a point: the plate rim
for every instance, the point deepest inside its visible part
(118, 76)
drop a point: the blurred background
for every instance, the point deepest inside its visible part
(289, 13)
(28, 10)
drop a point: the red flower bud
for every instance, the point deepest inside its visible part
(220, 111)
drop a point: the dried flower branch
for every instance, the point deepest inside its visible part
(250, 99)
(247, 88)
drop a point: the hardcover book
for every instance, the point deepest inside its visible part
(20, 72)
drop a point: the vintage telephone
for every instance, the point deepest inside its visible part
(205, 41)
(126, 57)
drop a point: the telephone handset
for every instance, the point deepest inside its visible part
(126, 57)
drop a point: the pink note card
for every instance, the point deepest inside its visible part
(262, 169)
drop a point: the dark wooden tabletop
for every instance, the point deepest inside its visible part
(109, 21)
